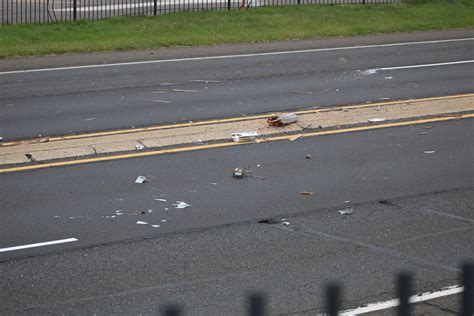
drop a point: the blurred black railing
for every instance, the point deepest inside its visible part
(257, 302)
(50, 11)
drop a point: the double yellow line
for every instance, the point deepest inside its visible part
(231, 144)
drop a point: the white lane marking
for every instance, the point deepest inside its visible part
(41, 244)
(428, 65)
(237, 56)
(450, 290)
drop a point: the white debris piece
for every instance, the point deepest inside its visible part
(388, 78)
(429, 151)
(139, 147)
(150, 211)
(163, 220)
(1, 139)
(161, 200)
(156, 226)
(376, 119)
(285, 223)
(244, 136)
(141, 179)
(347, 211)
(181, 204)
(141, 223)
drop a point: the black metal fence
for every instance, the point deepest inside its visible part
(257, 301)
(50, 11)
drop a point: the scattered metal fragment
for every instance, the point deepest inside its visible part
(141, 179)
(244, 136)
(141, 223)
(181, 204)
(184, 90)
(156, 226)
(282, 119)
(292, 139)
(161, 200)
(302, 92)
(306, 193)
(285, 223)
(429, 151)
(158, 101)
(240, 173)
(308, 156)
(139, 147)
(376, 119)
(346, 211)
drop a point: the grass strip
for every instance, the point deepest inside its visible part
(221, 27)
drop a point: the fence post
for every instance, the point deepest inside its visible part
(75, 10)
(155, 7)
(228, 5)
(468, 293)
(404, 287)
(256, 304)
(333, 299)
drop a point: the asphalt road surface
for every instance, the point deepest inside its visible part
(117, 247)
(139, 94)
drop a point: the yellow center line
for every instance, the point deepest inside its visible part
(230, 144)
(228, 120)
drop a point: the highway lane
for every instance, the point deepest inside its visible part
(83, 201)
(91, 99)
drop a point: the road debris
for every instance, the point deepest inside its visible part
(1, 139)
(139, 147)
(181, 204)
(302, 92)
(244, 136)
(240, 173)
(347, 202)
(161, 200)
(90, 119)
(388, 78)
(308, 156)
(423, 133)
(141, 179)
(163, 220)
(429, 151)
(156, 226)
(205, 81)
(306, 193)
(282, 119)
(376, 120)
(159, 92)
(292, 139)
(158, 101)
(183, 90)
(141, 223)
(346, 211)
(29, 157)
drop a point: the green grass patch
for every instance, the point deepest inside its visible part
(219, 27)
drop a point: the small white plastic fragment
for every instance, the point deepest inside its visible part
(181, 204)
(376, 119)
(347, 211)
(141, 223)
(139, 147)
(161, 200)
(150, 211)
(140, 179)
(429, 151)
(163, 220)
(285, 223)
(156, 226)
(244, 136)
(388, 78)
